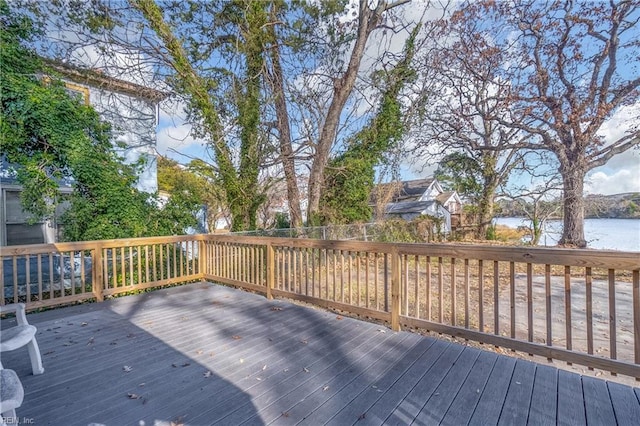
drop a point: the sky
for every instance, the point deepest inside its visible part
(621, 174)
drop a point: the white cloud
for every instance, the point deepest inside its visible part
(621, 181)
(177, 138)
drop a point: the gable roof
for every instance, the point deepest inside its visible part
(445, 196)
(95, 78)
(408, 190)
(406, 207)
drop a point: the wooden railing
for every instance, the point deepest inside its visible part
(54, 274)
(579, 306)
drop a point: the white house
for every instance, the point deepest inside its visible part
(410, 199)
(132, 110)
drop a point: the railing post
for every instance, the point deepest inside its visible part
(203, 258)
(271, 277)
(97, 273)
(395, 289)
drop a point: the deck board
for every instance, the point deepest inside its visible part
(625, 403)
(438, 404)
(489, 407)
(544, 403)
(598, 408)
(518, 400)
(465, 402)
(206, 354)
(402, 370)
(571, 409)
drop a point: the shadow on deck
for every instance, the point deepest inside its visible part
(205, 354)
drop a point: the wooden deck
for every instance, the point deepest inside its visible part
(205, 354)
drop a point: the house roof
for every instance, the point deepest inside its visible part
(402, 191)
(407, 207)
(445, 196)
(95, 78)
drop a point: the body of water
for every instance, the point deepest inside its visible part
(606, 234)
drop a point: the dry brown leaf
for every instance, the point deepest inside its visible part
(338, 317)
(236, 337)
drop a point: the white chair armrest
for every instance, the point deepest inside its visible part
(19, 309)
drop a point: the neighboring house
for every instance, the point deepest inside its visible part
(410, 199)
(132, 110)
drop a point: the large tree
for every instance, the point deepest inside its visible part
(571, 66)
(350, 175)
(461, 128)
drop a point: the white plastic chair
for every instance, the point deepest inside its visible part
(22, 334)
(11, 396)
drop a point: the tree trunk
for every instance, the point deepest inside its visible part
(286, 151)
(573, 201)
(485, 211)
(342, 88)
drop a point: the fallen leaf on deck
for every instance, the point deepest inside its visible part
(326, 388)
(306, 370)
(208, 374)
(276, 308)
(381, 330)
(236, 337)
(186, 364)
(304, 342)
(338, 317)
(141, 385)
(83, 324)
(126, 368)
(90, 342)
(285, 414)
(133, 396)
(199, 352)
(362, 416)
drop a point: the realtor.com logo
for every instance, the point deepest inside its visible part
(18, 420)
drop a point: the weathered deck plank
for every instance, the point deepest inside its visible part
(403, 370)
(597, 402)
(544, 404)
(570, 399)
(489, 407)
(518, 400)
(206, 354)
(465, 402)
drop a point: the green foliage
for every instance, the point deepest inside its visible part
(422, 229)
(350, 175)
(236, 31)
(461, 173)
(282, 221)
(53, 136)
